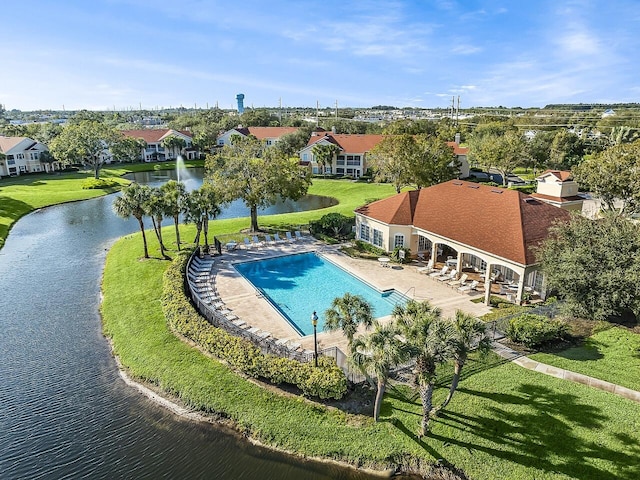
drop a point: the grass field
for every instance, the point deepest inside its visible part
(612, 355)
(504, 423)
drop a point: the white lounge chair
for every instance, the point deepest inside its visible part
(247, 243)
(257, 242)
(439, 273)
(289, 237)
(276, 238)
(427, 269)
(448, 277)
(298, 235)
(269, 240)
(468, 288)
(461, 281)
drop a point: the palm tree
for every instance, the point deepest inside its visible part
(324, 153)
(174, 193)
(468, 330)
(132, 202)
(346, 313)
(428, 338)
(200, 205)
(155, 208)
(375, 354)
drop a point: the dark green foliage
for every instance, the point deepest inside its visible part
(534, 330)
(396, 254)
(326, 381)
(98, 183)
(333, 224)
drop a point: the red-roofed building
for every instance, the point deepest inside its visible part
(351, 160)
(270, 135)
(155, 149)
(490, 230)
(557, 188)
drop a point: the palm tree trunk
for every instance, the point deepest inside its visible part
(454, 383)
(382, 385)
(254, 218)
(198, 231)
(176, 222)
(426, 395)
(144, 237)
(205, 228)
(162, 247)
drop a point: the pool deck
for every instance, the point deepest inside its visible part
(245, 302)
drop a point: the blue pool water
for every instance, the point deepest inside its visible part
(299, 284)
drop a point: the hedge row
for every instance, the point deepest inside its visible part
(326, 381)
(534, 330)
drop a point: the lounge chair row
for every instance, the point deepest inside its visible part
(450, 277)
(269, 240)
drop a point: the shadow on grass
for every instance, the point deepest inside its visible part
(542, 436)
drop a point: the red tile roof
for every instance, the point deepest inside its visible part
(505, 223)
(269, 132)
(457, 149)
(151, 135)
(561, 175)
(349, 143)
(573, 198)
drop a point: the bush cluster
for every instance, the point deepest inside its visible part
(326, 381)
(98, 183)
(534, 330)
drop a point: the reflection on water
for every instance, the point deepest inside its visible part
(64, 411)
(236, 208)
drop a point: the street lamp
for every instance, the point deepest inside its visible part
(314, 322)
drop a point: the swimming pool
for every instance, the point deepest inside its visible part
(297, 285)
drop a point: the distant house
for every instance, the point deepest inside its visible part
(22, 155)
(489, 231)
(558, 188)
(270, 135)
(156, 151)
(351, 160)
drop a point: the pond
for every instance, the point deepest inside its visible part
(237, 208)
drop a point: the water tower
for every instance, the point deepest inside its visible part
(240, 99)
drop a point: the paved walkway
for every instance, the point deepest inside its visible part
(526, 362)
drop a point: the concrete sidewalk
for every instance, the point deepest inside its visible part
(526, 362)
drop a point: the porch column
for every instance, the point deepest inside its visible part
(434, 253)
(487, 285)
(520, 286)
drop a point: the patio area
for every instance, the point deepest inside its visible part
(247, 303)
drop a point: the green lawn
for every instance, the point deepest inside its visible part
(504, 423)
(23, 194)
(612, 355)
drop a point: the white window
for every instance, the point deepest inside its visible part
(268, 142)
(423, 244)
(398, 240)
(20, 156)
(364, 233)
(377, 238)
(305, 157)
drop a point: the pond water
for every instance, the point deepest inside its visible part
(64, 410)
(193, 180)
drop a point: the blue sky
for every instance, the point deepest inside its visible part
(101, 54)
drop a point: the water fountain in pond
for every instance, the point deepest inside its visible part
(181, 170)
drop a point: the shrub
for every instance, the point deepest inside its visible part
(534, 330)
(334, 224)
(326, 381)
(396, 254)
(98, 183)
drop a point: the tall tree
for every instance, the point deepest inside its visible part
(155, 208)
(393, 159)
(567, 150)
(256, 174)
(435, 163)
(87, 141)
(201, 205)
(174, 144)
(347, 313)
(428, 338)
(323, 154)
(614, 177)
(468, 334)
(594, 265)
(375, 354)
(174, 196)
(131, 203)
(503, 152)
(128, 149)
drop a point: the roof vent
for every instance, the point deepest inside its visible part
(530, 200)
(497, 191)
(457, 183)
(473, 186)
